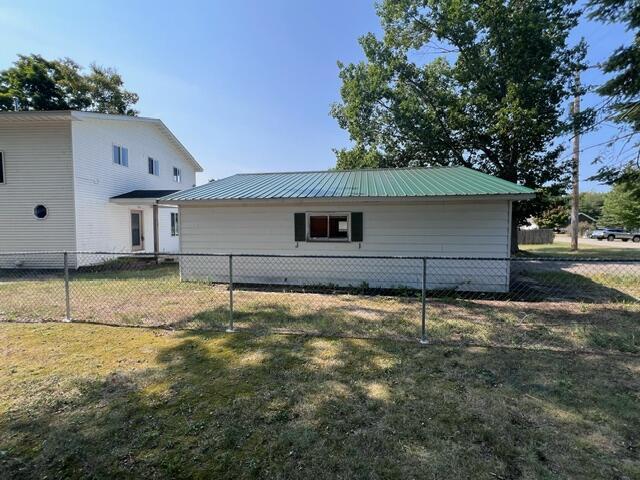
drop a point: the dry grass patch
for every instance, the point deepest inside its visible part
(155, 297)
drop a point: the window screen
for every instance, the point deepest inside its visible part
(338, 227)
(121, 155)
(329, 227)
(318, 227)
(154, 166)
(116, 154)
(125, 156)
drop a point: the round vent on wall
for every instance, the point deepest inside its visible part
(40, 212)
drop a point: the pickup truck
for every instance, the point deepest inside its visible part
(612, 234)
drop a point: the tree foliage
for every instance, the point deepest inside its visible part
(623, 88)
(41, 84)
(554, 217)
(591, 203)
(492, 99)
(621, 208)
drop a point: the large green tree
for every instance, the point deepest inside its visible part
(621, 208)
(36, 83)
(623, 90)
(493, 98)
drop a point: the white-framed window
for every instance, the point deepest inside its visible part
(330, 227)
(121, 155)
(177, 175)
(154, 166)
(175, 224)
(2, 174)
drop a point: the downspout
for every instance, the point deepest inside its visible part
(156, 235)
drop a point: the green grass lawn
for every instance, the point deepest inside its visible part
(563, 249)
(87, 401)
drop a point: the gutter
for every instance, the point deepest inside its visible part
(345, 200)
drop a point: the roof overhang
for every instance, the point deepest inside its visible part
(141, 197)
(348, 200)
(133, 201)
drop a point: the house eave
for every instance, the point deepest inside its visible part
(345, 200)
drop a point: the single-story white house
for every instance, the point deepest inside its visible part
(81, 181)
(436, 212)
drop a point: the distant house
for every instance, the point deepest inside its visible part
(441, 212)
(88, 181)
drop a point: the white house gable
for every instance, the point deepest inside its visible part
(113, 157)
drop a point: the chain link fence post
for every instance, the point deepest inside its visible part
(67, 300)
(423, 332)
(230, 329)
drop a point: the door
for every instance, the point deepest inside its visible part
(137, 230)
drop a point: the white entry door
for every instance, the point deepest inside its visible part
(137, 230)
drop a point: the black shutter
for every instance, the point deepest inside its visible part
(356, 226)
(300, 220)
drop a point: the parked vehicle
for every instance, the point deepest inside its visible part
(612, 234)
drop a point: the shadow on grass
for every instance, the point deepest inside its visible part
(564, 281)
(565, 326)
(572, 326)
(350, 319)
(238, 406)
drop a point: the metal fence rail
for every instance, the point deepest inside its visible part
(391, 296)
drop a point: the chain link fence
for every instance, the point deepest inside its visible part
(517, 301)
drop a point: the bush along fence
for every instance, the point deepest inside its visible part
(424, 298)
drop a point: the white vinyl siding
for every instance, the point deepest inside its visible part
(105, 226)
(443, 228)
(38, 171)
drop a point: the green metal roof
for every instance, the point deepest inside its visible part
(399, 182)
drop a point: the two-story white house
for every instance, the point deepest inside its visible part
(81, 181)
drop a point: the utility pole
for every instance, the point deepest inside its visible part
(575, 169)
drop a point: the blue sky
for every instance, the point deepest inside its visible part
(245, 85)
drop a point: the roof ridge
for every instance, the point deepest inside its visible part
(71, 111)
(407, 183)
(434, 167)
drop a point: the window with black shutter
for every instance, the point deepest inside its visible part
(328, 227)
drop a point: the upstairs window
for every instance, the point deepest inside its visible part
(1, 167)
(177, 175)
(121, 155)
(330, 226)
(175, 225)
(154, 166)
